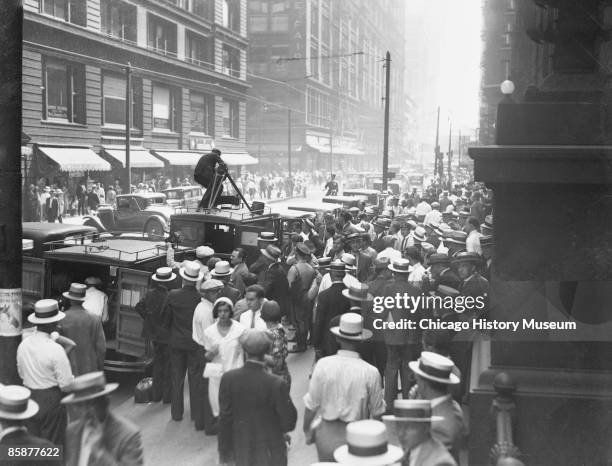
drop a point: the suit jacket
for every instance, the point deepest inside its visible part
(451, 431)
(150, 309)
(230, 292)
(276, 286)
(255, 412)
(331, 303)
(475, 286)
(403, 337)
(259, 267)
(86, 331)
(178, 317)
(378, 244)
(431, 453)
(25, 439)
(365, 266)
(449, 278)
(120, 445)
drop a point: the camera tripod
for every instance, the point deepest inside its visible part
(216, 188)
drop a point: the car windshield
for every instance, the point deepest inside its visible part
(174, 194)
(156, 200)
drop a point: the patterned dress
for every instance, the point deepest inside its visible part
(279, 351)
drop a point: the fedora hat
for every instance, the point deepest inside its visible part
(434, 366)
(439, 258)
(351, 328)
(353, 236)
(255, 342)
(93, 281)
(400, 266)
(367, 445)
(428, 247)
(358, 293)
(271, 252)
(467, 257)
(410, 411)
(46, 311)
(204, 251)
(87, 387)
(222, 269)
(211, 284)
(303, 248)
(15, 403)
(191, 271)
(163, 274)
(349, 261)
(267, 236)
(76, 292)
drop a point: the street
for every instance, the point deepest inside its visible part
(168, 442)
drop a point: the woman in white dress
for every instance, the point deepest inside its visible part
(223, 349)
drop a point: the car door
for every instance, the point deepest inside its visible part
(128, 214)
(132, 287)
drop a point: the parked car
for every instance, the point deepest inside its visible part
(184, 196)
(43, 236)
(138, 212)
(371, 194)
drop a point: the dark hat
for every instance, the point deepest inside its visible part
(439, 259)
(381, 263)
(93, 281)
(467, 257)
(353, 236)
(267, 236)
(303, 249)
(323, 262)
(271, 252)
(89, 386)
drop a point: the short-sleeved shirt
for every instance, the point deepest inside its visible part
(42, 363)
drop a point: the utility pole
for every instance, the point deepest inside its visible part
(128, 124)
(450, 155)
(437, 154)
(459, 154)
(385, 173)
(331, 150)
(289, 140)
(10, 193)
(261, 112)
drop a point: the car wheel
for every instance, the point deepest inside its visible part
(154, 230)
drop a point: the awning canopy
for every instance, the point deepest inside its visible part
(179, 159)
(341, 147)
(238, 158)
(75, 159)
(346, 150)
(139, 157)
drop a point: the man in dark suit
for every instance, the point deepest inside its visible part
(380, 228)
(186, 356)
(364, 262)
(473, 284)
(99, 437)
(330, 303)
(441, 273)
(255, 410)
(275, 284)
(205, 172)
(15, 408)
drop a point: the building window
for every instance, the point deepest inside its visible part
(202, 113)
(231, 14)
(201, 8)
(314, 18)
(279, 23)
(64, 91)
(198, 50)
(231, 61)
(162, 35)
(230, 119)
(314, 61)
(258, 23)
(258, 6)
(118, 20)
(113, 100)
(166, 108)
(73, 11)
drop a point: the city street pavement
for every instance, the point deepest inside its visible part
(167, 442)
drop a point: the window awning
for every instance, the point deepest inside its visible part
(238, 158)
(139, 157)
(341, 148)
(75, 159)
(179, 159)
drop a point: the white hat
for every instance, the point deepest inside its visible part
(367, 445)
(46, 311)
(15, 403)
(190, 271)
(204, 251)
(76, 292)
(434, 366)
(222, 269)
(351, 327)
(88, 386)
(211, 284)
(411, 411)
(163, 274)
(349, 260)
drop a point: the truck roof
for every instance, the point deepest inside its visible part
(229, 216)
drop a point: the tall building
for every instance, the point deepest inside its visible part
(316, 70)
(188, 76)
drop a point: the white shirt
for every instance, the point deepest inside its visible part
(246, 320)
(392, 254)
(202, 319)
(345, 387)
(329, 244)
(43, 363)
(417, 274)
(326, 282)
(433, 217)
(96, 303)
(472, 242)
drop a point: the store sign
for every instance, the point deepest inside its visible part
(201, 143)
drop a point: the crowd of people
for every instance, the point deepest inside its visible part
(229, 326)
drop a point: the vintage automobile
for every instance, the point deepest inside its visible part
(346, 201)
(41, 234)
(225, 229)
(124, 266)
(137, 212)
(289, 217)
(184, 196)
(371, 194)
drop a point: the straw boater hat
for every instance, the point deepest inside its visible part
(222, 269)
(420, 235)
(358, 292)
(267, 236)
(271, 252)
(349, 261)
(46, 311)
(337, 266)
(400, 266)
(439, 258)
(87, 387)
(435, 367)
(190, 271)
(381, 263)
(323, 263)
(204, 251)
(15, 403)
(163, 274)
(76, 292)
(467, 257)
(410, 411)
(367, 445)
(351, 328)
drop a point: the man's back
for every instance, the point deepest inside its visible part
(331, 302)
(179, 309)
(85, 329)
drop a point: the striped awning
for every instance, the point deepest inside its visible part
(139, 157)
(179, 159)
(75, 159)
(238, 158)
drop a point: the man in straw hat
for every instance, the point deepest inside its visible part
(411, 423)
(99, 437)
(255, 409)
(435, 377)
(223, 272)
(16, 408)
(185, 354)
(85, 329)
(343, 388)
(367, 445)
(43, 366)
(150, 309)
